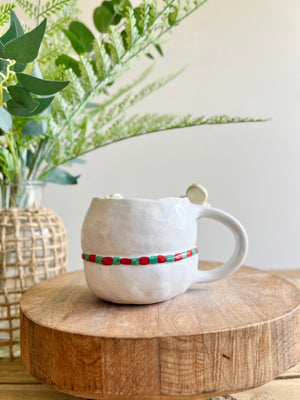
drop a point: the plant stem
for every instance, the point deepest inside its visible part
(38, 12)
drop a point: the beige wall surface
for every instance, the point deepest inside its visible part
(242, 58)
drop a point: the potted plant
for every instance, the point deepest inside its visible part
(42, 131)
(57, 103)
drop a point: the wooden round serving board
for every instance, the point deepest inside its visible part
(217, 338)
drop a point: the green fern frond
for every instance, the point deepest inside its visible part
(4, 13)
(80, 144)
(144, 15)
(102, 60)
(27, 6)
(153, 11)
(74, 92)
(115, 44)
(56, 26)
(122, 91)
(131, 32)
(88, 78)
(78, 125)
(110, 114)
(52, 7)
(150, 123)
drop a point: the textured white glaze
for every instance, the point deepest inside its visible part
(131, 228)
(138, 227)
(140, 284)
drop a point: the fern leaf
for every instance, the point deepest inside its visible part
(115, 44)
(102, 60)
(62, 107)
(131, 99)
(52, 126)
(149, 123)
(131, 31)
(52, 7)
(4, 13)
(153, 11)
(74, 92)
(80, 145)
(89, 79)
(27, 6)
(122, 91)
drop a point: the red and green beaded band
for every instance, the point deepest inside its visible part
(139, 260)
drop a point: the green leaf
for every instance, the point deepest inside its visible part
(138, 11)
(10, 34)
(33, 128)
(5, 96)
(14, 30)
(80, 37)
(24, 49)
(104, 16)
(7, 165)
(172, 18)
(29, 158)
(5, 120)
(69, 63)
(61, 177)
(18, 67)
(3, 67)
(159, 49)
(22, 98)
(40, 86)
(14, 20)
(19, 111)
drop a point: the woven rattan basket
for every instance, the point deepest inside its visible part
(33, 247)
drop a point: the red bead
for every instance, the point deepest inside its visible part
(83, 256)
(178, 257)
(161, 259)
(107, 260)
(125, 261)
(189, 253)
(144, 260)
(92, 257)
(196, 250)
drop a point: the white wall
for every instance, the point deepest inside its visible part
(242, 59)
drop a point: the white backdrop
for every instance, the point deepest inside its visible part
(242, 58)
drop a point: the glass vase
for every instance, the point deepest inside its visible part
(26, 194)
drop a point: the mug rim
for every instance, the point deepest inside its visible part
(142, 200)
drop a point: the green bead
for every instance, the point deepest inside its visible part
(194, 251)
(98, 260)
(153, 260)
(184, 255)
(170, 258)
(116, 261)
(135, 261)
(86, 257)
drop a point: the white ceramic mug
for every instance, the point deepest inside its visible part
(139, 251)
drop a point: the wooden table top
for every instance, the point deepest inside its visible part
(221, 337)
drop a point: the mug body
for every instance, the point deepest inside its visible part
(140, 229)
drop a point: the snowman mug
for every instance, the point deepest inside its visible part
(140, 251)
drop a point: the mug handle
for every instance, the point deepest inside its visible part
(241, 244)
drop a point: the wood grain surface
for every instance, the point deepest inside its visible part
(217, 338)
